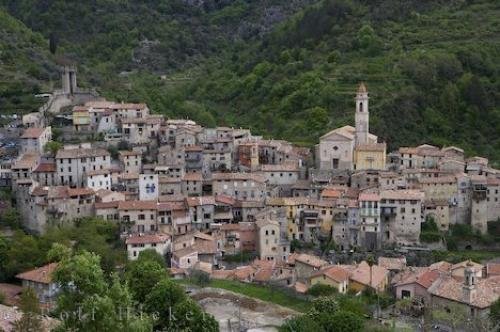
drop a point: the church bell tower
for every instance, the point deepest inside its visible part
(362, 117)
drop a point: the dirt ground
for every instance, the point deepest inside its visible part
(227, 307)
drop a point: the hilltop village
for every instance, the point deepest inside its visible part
(197, 195)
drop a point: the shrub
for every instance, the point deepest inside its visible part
(321, 290)
(200, 278)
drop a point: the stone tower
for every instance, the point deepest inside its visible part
(362, 117)
(468, 287)
(68, 77)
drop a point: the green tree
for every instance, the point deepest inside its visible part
(58, 252)
(92, 304)
(174, 311)
(52, 147)
(31, 319)
(344, 321)
(495, 312)
(10, 217)
(142, 275)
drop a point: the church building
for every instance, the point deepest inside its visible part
(349, 148)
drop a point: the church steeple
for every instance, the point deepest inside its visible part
(362, 117)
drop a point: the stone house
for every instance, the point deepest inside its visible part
(138, 216)
(306, 265)
(34, 139)
(73, 163)
(241, 186)
(40, 280)
(131, 161)
(333, 276)
(280, 174)
(271, 244)
(136, 243)
(401, 213)
(98, 179)
(201, 211)
(45, 174)
(192, 184)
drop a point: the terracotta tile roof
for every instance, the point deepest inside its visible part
(243, 273)
(311, 260)
(45, 167)
(192, 177)
(335, 273)
(492, 269)
(451, 179)
(331, 193)
(367, 196)
(224, 199)
(107, 205)
(201, 200)
(11, 293)
(361, 274)
(412, 195)
(300, 287)
(137, 205)
(61, 192)
(263, 274)
(40, 191)
(223, 274)
(203, 236)
(33, 133)
(81, 153)
(441, 266)
(493, 181)
(27, 160)
(468, 263)
(205, 247)
(147, 238)
(485, 293)
(238, 177)
(427, 278)
(40, 275)
(185, 252)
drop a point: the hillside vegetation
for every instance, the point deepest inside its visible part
(25, 66)
(290, 70)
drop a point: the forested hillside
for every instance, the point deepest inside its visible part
(290, 69)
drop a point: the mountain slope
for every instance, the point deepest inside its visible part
(430, 66)
(25, 66)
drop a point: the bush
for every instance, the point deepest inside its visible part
(321, 290)
(200, 278)
(429, 237)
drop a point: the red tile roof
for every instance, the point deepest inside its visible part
(40, 275)
(147, 238)
(137, 205)
(45, 168)
(33, 132)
